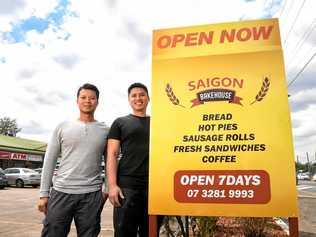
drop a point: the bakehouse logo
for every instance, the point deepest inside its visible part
(217, 89)
(216, 95)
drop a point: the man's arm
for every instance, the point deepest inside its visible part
(113, 149)
(51, 155)
(105, 189)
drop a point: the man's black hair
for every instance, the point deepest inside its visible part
(137, 85)
(88, 86)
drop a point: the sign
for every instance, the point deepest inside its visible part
(4, 155)
(37, 158)
(18, 156)
(221, 142)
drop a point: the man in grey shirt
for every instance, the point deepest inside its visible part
(77, 192)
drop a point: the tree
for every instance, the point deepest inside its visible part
(9, 127)
(301, 167)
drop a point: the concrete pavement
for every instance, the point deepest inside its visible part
(20, 218)
(307, 218)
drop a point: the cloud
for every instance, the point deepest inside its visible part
(51, 98)
(26, 73)
(18, 11)
(32, 127)
(139, 37)
(305, 132)
(11, 6)
(35, 22)
(298, 45)
(110, 3)
(303, 99)
(296, 123)
(67, 61)
(306, 79)
(46, 96)
(50, 48)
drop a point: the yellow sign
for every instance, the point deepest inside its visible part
(221, 142)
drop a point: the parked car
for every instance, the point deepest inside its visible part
(303, 176)
(22, 176)
(38, 170)
(3, 179)
(54, 176)
(314, 177)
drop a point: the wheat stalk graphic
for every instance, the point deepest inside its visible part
(172, 96)
(263, 91)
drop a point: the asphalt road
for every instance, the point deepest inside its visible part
(20, 218)
(305, 187)
(307, 206)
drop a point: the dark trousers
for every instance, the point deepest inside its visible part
(132, 217)
(85, 209)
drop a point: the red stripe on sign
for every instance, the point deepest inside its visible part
(222, 186)
(4, 155)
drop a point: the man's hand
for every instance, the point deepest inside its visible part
(42, 204)
(114, 194)
(105, 196)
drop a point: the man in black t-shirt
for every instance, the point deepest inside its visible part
(128, 181)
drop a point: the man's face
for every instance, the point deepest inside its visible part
(138, 99)
(87, 101)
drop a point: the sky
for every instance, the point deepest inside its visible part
(48, 49)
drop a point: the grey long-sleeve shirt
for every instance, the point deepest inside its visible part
(80, 146)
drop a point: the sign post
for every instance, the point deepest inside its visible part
(153, 226)
(293, 227)
(221, 142)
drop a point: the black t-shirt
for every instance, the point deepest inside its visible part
(133, 133)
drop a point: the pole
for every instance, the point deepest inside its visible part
(153, 226)
(308, 164)
(293, 227)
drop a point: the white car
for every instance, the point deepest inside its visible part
(314, 177)
(303, 176)
(54, 176)
(39, 170)
(22, 176)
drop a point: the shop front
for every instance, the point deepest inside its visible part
(19, 152)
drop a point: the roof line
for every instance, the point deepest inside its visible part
(21, 148)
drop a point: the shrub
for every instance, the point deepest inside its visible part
(254, 226)
(203, 226)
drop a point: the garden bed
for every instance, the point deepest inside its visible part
(229, 227)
